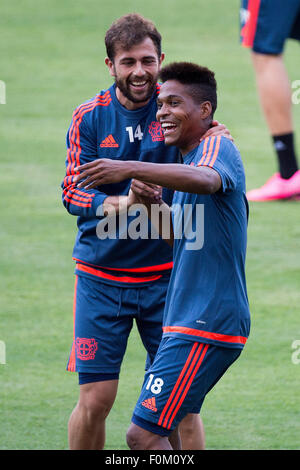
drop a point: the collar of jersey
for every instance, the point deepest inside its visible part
(189, 157)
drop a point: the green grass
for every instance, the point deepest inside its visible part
(52, 59)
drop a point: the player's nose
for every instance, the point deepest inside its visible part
(139, 69)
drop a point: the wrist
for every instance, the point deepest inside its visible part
(113, 205)
(130, 169)
(123, 204)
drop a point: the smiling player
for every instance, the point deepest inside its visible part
(206, 319)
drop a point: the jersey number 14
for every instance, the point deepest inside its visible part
(138, 134)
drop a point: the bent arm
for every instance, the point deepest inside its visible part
(82, 149)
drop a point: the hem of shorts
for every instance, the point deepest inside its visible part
(200, 339)
(96, 377)
(93, 370)
(150, 426)
(259, 50)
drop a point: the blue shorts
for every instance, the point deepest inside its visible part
(182, 374)
(266, 24)
(103, 319)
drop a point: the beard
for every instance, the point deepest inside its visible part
(124, 87)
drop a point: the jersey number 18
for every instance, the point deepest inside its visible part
(156, 386)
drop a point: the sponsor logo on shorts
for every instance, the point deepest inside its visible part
(150, 404)
(86, 348)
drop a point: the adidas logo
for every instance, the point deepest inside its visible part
(279, 145)
(109, 142)
(150, 404)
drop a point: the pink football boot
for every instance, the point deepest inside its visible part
(277, 188)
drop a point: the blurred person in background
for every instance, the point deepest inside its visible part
(265, 27)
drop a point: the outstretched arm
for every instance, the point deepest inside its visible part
(93, 171)
(199, 180)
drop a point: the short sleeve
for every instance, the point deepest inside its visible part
(220, 153)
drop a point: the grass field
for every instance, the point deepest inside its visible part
(51, 60)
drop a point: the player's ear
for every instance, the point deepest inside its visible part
(206, 109)
(110, 66)
(162, 58)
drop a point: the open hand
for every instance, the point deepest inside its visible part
(101, 171)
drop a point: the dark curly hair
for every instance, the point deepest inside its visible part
(201, 80)
(128, 31)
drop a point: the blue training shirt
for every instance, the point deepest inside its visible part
(207, 296)
(103, 128)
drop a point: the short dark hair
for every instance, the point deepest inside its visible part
(201, 80)
(128, 31)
